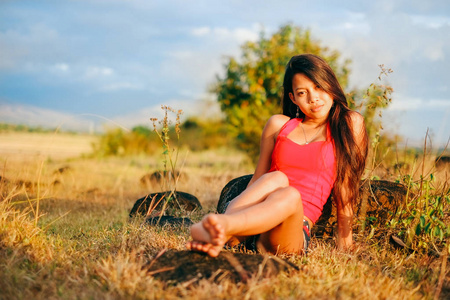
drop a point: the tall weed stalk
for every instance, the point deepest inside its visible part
(170, 174)
(376, 97)
(424, 219)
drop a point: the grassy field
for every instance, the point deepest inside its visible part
(65, 232)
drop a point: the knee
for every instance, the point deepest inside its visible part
(277, 178)
(291, 196)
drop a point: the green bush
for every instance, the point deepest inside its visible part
(196, 135)
(203, 135)
(116, 141)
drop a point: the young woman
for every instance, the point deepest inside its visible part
(317, 146)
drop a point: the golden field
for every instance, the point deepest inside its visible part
(65, 232)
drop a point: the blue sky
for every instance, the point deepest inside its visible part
(61, 62)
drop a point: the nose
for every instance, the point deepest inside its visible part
(314, 96)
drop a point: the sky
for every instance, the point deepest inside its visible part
(89, 64)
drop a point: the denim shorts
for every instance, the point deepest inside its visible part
(306, 236)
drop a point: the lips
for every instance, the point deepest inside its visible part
(316, 108)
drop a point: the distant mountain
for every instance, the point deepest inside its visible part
(34, 116)
(41, 117)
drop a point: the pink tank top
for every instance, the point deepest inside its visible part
(310, 168)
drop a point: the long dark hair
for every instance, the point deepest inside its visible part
(350, 158)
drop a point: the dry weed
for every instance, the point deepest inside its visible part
(84, 246)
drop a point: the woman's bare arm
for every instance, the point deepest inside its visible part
(344, 221)
(345, 209)
(268, 138)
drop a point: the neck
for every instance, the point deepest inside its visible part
(314, 122)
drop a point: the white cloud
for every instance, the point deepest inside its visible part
(139, 45)
(143, 115)
(242, 35)
(205, 106)
(200, 31)
(439, 103)
(62, 67)
(417, 53)
(30, 43)
(239, 34)
(407, 103)
(181, 54)
(352, 23)
(354, 27)
(93, 72)
(117, 86)
(433, 22)
(435, 52)
(199, 64)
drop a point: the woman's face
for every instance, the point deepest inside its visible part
(312, 100)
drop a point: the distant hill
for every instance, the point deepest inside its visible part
(36, 117)
(33, 116)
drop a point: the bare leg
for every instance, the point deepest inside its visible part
(281, 211)
(258, 191)
(255, 193)
(287, 237)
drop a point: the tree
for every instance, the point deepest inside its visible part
(251, 90)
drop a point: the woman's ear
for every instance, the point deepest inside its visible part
(291, 96)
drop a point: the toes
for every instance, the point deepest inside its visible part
(217, 241)
(214, 251)
(210, 223)
(197, 246)
(214, 228)
(193, 246)
(188, 245)
(208, 236)
(206, 247)
(212, 219)
(210, 249)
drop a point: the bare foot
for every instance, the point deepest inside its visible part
(198, 246)
(208, 235)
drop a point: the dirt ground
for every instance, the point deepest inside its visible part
(187, 267)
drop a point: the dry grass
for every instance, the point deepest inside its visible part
(66, 234)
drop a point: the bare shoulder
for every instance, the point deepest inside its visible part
(357, 120)
(277, 121)
(358, 127)
(356, 116)
(274, 125)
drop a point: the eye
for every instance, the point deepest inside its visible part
(301, 93)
